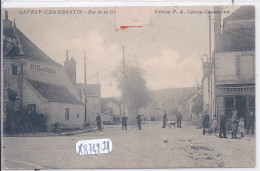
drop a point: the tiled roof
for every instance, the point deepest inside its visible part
(243, 13)
(54, 93)
(238, 40)
(29, 49)
(239, 31)
(92, 90)
(9, 32)
(185, 98)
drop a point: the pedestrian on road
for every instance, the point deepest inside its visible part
(179, 118)
(57, 125)
(234, 124)
(205, 122)
(222, 124)
(138, 119)
(241, 127)
(152, 118)
(164, 119)
(124, 122)
(98, 120)
(251, 122)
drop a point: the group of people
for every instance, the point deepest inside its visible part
(124, 122)
(237, 124)
(178, 118)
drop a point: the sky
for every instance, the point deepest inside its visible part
(168, 47)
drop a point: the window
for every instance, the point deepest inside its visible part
(77, 115)
(14, 69)
(238, 67)
(245, 66)
(251, 103)
(67, 113)
(5, 79)
(31, 109)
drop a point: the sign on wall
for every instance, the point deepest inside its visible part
(240, 90)
(42, 69)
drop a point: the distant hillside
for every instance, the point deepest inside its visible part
(173, 94)
(166, 100)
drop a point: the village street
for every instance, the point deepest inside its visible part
(151, 147)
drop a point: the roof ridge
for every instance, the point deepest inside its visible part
(42, 55)
(47, 83)
(54, 93)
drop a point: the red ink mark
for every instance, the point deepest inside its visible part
(125, 27)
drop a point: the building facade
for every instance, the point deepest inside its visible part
(44, 86)
(235, 64)
(111, 110)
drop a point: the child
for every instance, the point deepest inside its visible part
(214, 126)
(241, 127)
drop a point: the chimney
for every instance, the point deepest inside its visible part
(6, 15)
(217, 27)
(67, 55)
(14, 24)
(70, 67)
(6, 22)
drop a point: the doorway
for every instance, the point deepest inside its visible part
(241, 106)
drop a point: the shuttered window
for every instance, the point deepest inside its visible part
(67, 113)
(5, 79)
(14, 69)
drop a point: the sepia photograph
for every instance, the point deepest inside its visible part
(128, 87)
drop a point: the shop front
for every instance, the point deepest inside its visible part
(236, 97)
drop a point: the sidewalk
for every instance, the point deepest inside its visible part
(48, 134)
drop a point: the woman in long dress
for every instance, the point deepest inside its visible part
(241, 127)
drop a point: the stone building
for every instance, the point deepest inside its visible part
(235, 64)
(43, 85)
(229, 76)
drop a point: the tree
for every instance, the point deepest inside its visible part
(197, 107)
(132, 85)
(12, 96)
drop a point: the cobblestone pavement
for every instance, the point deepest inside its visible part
(151, 147)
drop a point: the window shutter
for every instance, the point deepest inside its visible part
(238, 66)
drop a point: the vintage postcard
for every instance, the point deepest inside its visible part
(128, 87)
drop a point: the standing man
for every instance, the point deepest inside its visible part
(222, 124)
(124, 122)
(205, 122)
(98, 120)
(179, 118)
(138, 119)
(164, 119)
(251, 122)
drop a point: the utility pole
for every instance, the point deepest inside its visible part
(124, 74)
(210, 61)
(85, 89)
(209, 37)
(217, 35)
(99, 94)
(97, 78)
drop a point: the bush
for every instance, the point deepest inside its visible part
(24, 123)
